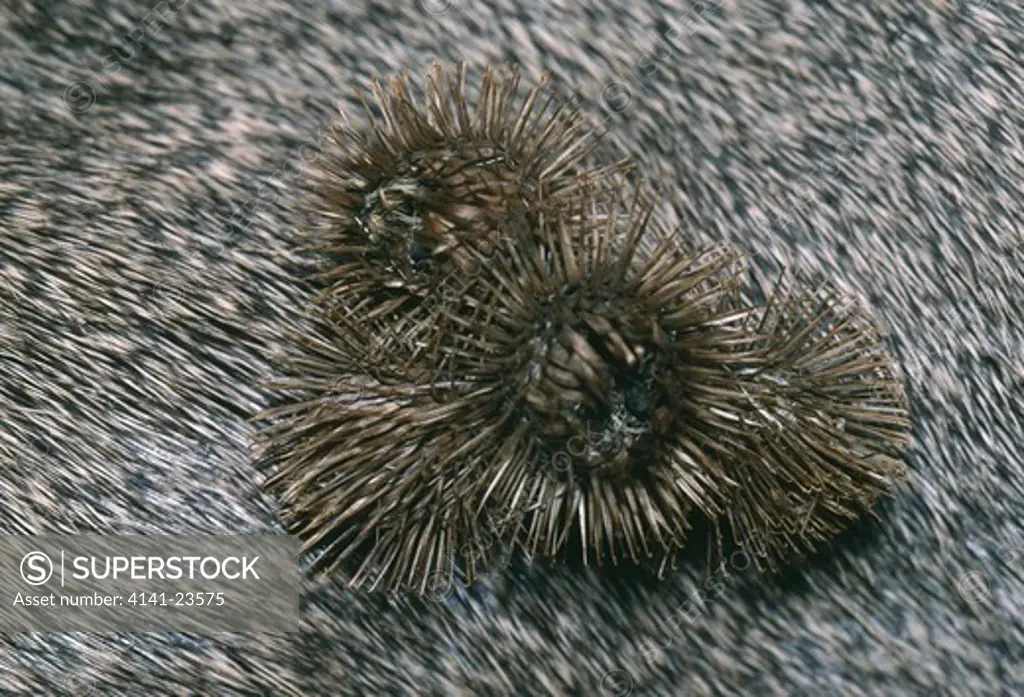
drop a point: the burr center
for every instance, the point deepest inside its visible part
(593, 396)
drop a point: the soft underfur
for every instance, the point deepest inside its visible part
(885, 143)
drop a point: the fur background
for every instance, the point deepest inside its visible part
(878, 144)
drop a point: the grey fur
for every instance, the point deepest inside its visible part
(884, 137)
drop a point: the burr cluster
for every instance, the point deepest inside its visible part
(506, 329)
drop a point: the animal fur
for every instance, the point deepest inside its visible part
(144, 290)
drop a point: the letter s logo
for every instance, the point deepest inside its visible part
(36, 568)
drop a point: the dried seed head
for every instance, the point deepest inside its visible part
(372, 476)
(597, 358)
(438, 175)
(822, 434)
